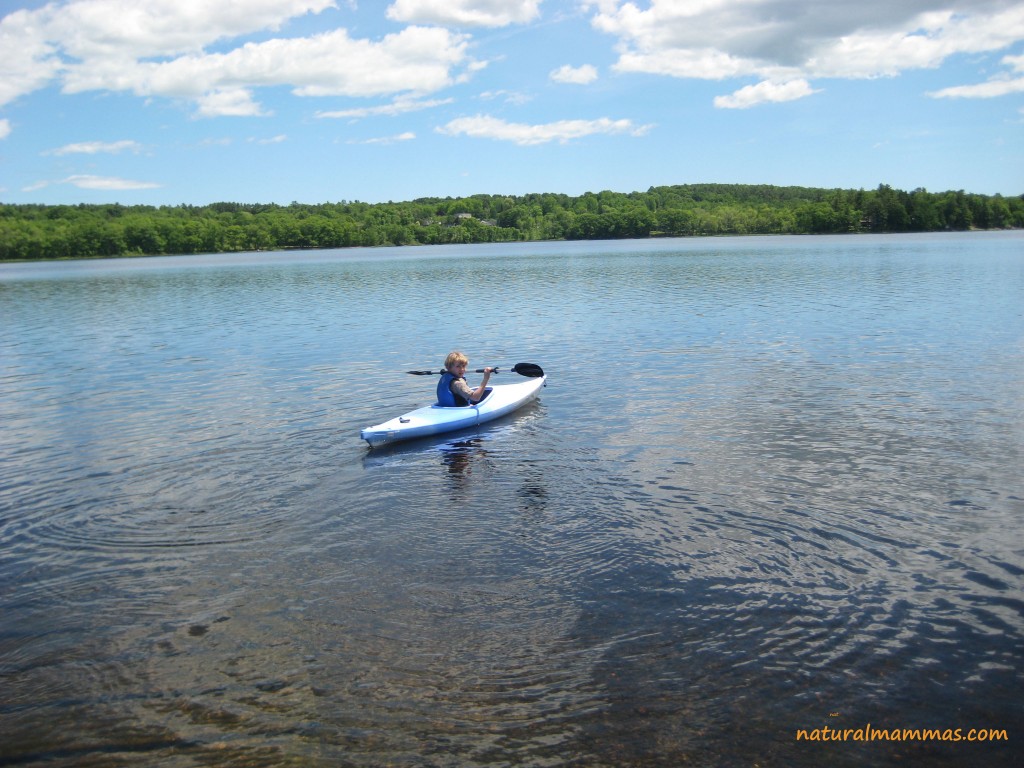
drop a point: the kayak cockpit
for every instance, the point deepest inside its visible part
(487, 393)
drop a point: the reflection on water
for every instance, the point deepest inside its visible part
(772, 484)
(462, 455)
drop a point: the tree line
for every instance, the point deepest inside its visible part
(39, 232)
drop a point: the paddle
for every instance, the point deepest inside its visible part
(530, 370)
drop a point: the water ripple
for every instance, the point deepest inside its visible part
(771, 481)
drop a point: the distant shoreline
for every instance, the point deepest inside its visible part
(510, 242)
(31, 232)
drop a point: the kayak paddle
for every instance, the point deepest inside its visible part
(530, 370)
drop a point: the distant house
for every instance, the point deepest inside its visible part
(486, 222)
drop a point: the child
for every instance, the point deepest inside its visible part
(452, 389)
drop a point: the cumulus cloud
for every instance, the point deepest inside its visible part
(237, 102)
(765, 91)
(104, 29)
(5, 128)
(487, 127)
(575, 75)
(112, 36)
(96, 147)
(159, 48)
(415, 60)
(465, 13)
(784, 42)
(28, 61)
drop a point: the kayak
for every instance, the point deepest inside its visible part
(498, 401)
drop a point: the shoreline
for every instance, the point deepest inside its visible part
(286, 248)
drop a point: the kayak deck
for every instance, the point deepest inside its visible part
(435, 419)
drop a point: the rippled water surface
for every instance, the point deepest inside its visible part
(772, 484)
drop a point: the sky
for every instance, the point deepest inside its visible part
(168, 102)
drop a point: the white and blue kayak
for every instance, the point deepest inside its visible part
(498, 401)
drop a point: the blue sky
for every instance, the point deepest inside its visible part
(181, 101)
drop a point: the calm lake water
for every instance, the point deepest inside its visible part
(772, 484)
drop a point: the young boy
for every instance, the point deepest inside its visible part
(452, 389)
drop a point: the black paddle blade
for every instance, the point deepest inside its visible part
(530, 370)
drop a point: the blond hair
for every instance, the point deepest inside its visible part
(453, 359)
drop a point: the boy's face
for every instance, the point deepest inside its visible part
(459, 369)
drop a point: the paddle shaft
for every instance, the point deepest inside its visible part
(438, 373)
(529, 370)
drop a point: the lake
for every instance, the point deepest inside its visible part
(773, 485)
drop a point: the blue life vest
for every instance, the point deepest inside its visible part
(445, 397)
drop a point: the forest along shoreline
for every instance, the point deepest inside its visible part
(30, 232)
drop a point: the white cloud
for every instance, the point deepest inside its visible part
(5, 128)
(234, 102)
(106, 183)
(764, 92)
(279, 139)
(415, 60)
(27, 59)
(781, 41)
(112, 36)
(398, 107)
(487, 127)
(96, 147)
(1000, 85)
(509, 97)
(465, 13)
(158, 48)
(120, 29)
(987, 90)
(575, 75)
(407, 136)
